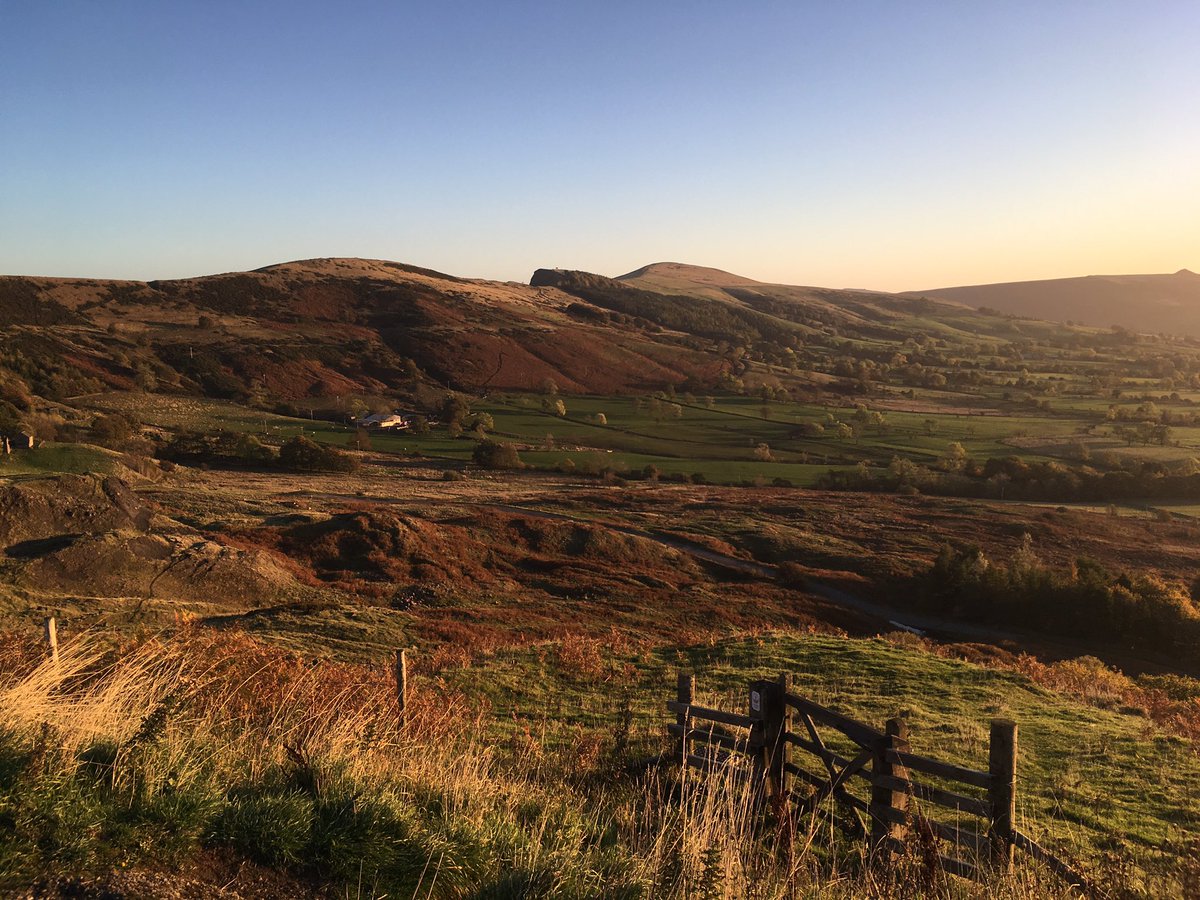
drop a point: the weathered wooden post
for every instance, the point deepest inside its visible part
(889, 806)
(784, 725)
(1002, 795)
(402, 686)
(685, 693)
(52, 638)
(768, 709)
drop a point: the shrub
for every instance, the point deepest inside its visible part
(792, 575)
(113, 430)
(496, 455)
(222, 447)
(303, 455)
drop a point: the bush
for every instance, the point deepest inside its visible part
(496, 455)
(222, 447)
(115, 431)
(303, 455)
(792, 575)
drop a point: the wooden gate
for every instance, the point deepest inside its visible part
(867, 783)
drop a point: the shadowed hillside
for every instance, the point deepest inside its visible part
(318, 329)
(1147, 303)
(324, 328)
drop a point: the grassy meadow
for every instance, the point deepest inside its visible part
(725, 439)
(141, 756)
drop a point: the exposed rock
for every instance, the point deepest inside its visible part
(69, 505)
(177, 567)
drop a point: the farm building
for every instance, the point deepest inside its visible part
(384, 422)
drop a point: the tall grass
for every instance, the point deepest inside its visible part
(149, 754)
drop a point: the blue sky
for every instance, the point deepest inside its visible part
(886, 145)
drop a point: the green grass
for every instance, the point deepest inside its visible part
(1091, 779)
(716, 441)
(53, 458)
(300, 766)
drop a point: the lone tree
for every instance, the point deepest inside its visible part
(496, 455)
(304, 455)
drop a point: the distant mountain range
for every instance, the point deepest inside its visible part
(1148, 303)
(332, 328)
(322, 328)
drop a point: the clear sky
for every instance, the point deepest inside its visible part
(892, 145)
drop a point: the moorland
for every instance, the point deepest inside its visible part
(916, 507)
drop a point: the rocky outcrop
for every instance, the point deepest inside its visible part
(68, 505)
(92, 536)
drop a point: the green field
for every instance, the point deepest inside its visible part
(719, 439)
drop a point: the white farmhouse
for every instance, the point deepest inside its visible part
(384, 422)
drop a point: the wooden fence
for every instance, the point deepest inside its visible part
(868, 783)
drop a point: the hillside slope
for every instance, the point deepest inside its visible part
(817, 305)
(324, 328)
(328, 329)
(1146, 303)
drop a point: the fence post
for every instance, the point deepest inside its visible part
(52, 638)
(768, 710)
(685, 692)
(402, 686)
(782, 755)
(885, 800)
(1002, 795)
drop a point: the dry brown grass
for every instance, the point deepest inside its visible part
(228, 712)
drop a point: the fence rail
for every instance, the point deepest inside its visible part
(780, 721)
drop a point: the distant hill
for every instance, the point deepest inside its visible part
(325, 328)
(1145, 303)
(333, 328)
(820, 306)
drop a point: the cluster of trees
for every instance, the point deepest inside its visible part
(658, 407)
(119, 431)
(1012, 478)
(861, 419)
(43, 366)
(235, 449)
(1087, 600)
(490, 454)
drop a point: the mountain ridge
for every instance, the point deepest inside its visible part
(332, 327)
(1168, 303)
